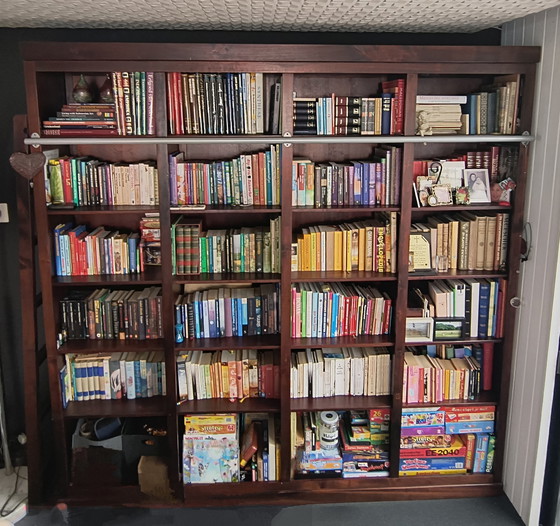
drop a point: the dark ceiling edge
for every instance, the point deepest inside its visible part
(485, 37)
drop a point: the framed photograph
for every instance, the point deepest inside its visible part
(478, 183)
(419, 330)
(441, 195)
(448, 328)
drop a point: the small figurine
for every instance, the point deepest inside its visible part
(423, 123)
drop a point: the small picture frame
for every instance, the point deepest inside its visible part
(462, 196)
(419, 330)
(441, 195)
(448, 328)
(478, 183)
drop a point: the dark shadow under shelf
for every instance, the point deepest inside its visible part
(344, 341)
(338, 275)
(224, 405)
(265, 341)
(155, 406)
(356, 403)
(111, 346)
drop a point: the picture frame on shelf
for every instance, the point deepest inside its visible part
(448, 328)
(419, 330)
(478, 183)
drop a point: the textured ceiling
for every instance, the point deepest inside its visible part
(270, 15)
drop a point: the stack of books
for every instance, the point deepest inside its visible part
(439, 114)
(81, 119)
(305, 116)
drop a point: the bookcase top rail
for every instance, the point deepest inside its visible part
(326, 139)
(81, 51)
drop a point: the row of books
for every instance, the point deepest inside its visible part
(494, 109)
(351, 115)
(356, 183)
(478, 302)
(250, 179)
(83, 119)
(328, 310)
(318, 373)
(239, 250)
(216, 103)
(134, 102)
(483, 352)
(369, 245)
(79, 252)
(260, 447)
(104, 314)
(469, 241)
(83, 181)
(439, 119)
(447, 440)
(232, 374)
(226, 312)
(429, 379)
(337, 115)
(112, 376)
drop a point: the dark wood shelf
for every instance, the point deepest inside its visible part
(338, 275)
(271, 341)
(110, 346)
(344, 209)
(457, 274)
(224, 405)
(344, 341)
(484, 398)
(220, 209)
(336, 403)
(229, 277)
(459, 208)
(150, 276)
(310, 71)
(155, 406)
(466, 341)
(105, 210)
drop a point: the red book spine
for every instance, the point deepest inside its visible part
(487, 365)
(92, 132)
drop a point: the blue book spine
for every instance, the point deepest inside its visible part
(496, 301)
(483, 308)
(334, 316)
(481, 453)
(385, 114)
(196, 319)
(100, 383)
(137, 379)
(470, 109)
(63, 378)
(91, 372)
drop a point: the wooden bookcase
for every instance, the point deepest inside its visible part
(311, 71)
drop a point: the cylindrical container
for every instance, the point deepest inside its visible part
(328, 429)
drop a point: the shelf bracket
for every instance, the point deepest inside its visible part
(525, 143)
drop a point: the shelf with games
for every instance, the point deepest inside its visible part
(281, 205)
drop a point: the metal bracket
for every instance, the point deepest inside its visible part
(527, 238)
(525, 143)
(35, 136)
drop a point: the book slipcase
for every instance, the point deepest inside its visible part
(308, 224)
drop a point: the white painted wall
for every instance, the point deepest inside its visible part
(538, 327)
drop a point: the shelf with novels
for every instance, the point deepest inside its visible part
(282, 204)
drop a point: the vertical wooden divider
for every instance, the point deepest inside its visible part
(287, 156)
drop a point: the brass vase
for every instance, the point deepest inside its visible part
(106, 90)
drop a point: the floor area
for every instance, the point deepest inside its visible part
(490, 511)
(13, 495)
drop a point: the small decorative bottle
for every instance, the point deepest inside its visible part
(106, 90)
(82, 91)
